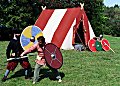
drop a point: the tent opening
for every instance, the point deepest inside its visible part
(79, 36)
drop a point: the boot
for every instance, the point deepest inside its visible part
(28, 77)
(4, 78)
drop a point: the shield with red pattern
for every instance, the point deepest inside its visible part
(105, 44)
(53, 56)
(91, 45)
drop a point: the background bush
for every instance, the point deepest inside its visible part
(22, 13)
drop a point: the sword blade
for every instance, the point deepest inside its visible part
(16, 58)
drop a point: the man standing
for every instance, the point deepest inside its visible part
(13, 51)
(40, 60)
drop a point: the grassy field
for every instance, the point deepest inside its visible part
(79, 68)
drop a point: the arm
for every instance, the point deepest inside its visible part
(8, 50)
(32, 48)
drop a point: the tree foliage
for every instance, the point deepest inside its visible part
(22, 13)
(19, 13)
(93, 8)
(113, 20)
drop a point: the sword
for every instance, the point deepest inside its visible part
(110, 48)
(16, 58)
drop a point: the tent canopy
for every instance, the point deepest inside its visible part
(59, 26)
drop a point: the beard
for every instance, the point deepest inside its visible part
(41, 45)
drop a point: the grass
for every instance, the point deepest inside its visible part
(79, 68)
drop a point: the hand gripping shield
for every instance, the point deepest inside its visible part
(53, 56)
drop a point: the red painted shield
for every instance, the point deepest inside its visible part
(53, 56)
(105, 44)
(91, 45)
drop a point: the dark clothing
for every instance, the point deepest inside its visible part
(14, 50)
(23, 62)
(15, 47)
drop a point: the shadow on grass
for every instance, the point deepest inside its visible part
(48, 74)
(19, 73)
(44, 73)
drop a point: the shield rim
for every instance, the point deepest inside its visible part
(96, 46)
(89, 45)
(108, 45)
(23, 31)
(59, 51)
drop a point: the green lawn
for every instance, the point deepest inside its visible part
(79, 68)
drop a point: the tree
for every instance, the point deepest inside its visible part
(22, 13)
(93, 8)
(113, 23)
(95, 12)
(19, 13)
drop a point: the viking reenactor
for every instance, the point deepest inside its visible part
(40, 60)
(13, 52)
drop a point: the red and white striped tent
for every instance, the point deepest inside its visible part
(59, 25)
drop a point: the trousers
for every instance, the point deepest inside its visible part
(37, 71)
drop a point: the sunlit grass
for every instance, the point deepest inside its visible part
(79, 68)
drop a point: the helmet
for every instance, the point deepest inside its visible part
(101, 36)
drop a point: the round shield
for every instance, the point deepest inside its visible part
(98, 45)
(91, 45)
(53, 56)
(29, 36)
(105, 44)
